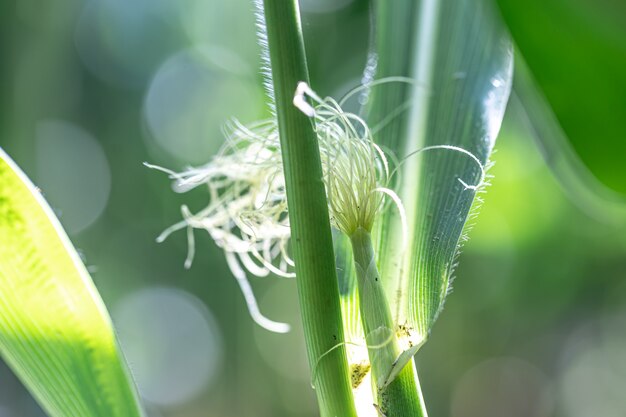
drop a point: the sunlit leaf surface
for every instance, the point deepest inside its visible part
(55, 332)
(461, 68)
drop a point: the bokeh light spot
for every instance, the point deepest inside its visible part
(501, 387)
(172, 343)
(190, 99)
(284, 353)
(72, 172)
(121, 42)
(595, 384)
(593, 381)
(228, 24)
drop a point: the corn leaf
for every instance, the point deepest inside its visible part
(575, 55)
(583, 187)
(567, 50)
(460, 64)
(55, 332)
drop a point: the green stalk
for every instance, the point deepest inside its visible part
(308, 215)
(401, 396)
(396, 23)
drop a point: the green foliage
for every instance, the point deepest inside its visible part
(529, 236)
(55, 332)
(461, 66)
(308, 215)
(576, 53)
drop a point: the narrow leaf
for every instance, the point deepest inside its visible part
(55, 332)
(308, 214)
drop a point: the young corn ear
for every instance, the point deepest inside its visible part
(247, 213)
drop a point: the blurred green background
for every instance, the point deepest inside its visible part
(536, 326)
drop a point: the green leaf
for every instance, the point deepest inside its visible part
(311, 237)
(583, 188)
(55, 332)
(575, 52)
(461, 66)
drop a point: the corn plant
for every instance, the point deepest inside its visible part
(385, 193)
(367, 210)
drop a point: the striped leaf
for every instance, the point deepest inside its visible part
(55, 332)
(460, 71)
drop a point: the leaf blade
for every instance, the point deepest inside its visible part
(575, 54)
(462, 75)
(55, 332)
